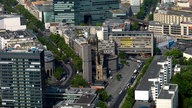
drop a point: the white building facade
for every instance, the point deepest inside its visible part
(11, 22)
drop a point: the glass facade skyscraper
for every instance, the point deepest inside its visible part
(21, 79)
(83, 11)
(64, 11)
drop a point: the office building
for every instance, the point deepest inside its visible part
(26, 39)
(134, 42)
(170, 14)
(167, 1)
(168, 97)
(107, 47)
(12, 22)
(43, 10)
(22, 78)
(181, 30)
(78, 98)
(64, 11)
(83, 11)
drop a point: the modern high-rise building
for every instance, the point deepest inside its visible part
(83, 11)
(64, 11)
(21, 78)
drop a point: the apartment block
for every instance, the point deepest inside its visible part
(158, 74)
(22, 78)
(168, 96)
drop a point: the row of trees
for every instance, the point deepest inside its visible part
(79, 81)
(130, 99)
(68, 52)
(103, 98)
(32, 22)
(146, 7)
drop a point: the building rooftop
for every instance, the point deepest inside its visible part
(86, 98)
(152, 72)
(20, 40)
(81, 40)
(140, 104)
(49, 56)
(131, 33)
(2, 16)
(188, 51)
(81, 97)
(180, 13)
(165, 93)
(117, 11)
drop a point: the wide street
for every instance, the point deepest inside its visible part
(116, 87)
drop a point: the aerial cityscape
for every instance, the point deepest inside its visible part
(96, 53)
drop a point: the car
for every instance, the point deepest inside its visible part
(111, 77)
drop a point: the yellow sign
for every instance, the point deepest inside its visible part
(126, 42)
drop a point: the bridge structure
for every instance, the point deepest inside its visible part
(141, 22)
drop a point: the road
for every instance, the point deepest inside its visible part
(118, 88)
(69, 68)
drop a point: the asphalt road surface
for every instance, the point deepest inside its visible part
(117, 88)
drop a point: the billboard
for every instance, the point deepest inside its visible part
(126, 42)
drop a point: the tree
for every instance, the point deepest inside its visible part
(150, 18)
(103, 96)
(184, 79)
(130, 99)
(157, 51)
(58, 72)
(102, 104)
(175, 53)
(118, 77)
(122, 55)
(98, 24)
(78, 81)
(135, 26)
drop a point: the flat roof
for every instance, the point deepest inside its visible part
(152, 72)
(164, 94)
(180, 13)
(2, 16)
(188, 51)
(86, 98)
(141, 104)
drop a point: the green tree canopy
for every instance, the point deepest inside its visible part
(135, 26)
(118, 77)
(122, 55)
(103, 96)
(184, 79)
(58, 72)
(78, 81)
(175, 53)
(101, 104)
